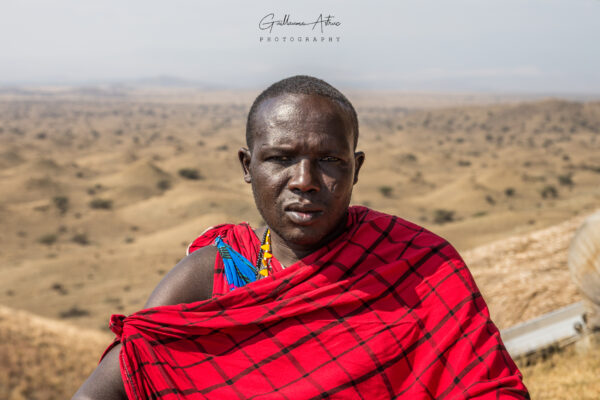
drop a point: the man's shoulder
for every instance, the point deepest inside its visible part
(207, 238)
(394, 227)
(393, 238)
(189, 281)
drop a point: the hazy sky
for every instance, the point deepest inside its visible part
(548, 46)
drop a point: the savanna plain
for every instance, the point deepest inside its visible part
(102, 189)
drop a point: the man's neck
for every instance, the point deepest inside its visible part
(287, 253)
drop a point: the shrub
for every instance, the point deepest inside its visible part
(549, 191)
(48, 239)
(386, 191)
(62, 203)
(74, 312)
(509, 192)
(59, 288)
(408, 157)
(566, 180)
(189, 173)
(441, 216)
(163, 184)
(102, 204)
(592, 168)
(81, 238)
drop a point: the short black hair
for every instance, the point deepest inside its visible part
(300, 84)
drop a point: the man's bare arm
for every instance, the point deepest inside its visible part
(189, 281)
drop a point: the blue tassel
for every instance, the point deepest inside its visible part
(238, 270)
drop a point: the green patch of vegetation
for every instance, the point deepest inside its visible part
(61, 203)
(190, 173)
(74, 312)
(408, 157)
(80, 238)
(48, 239)
(386, 191)
(509, 191)
(163, 184)
(592, 168)
(442, 216)
(549, 192)
(566, 180)
(59, 288)
(101, 204)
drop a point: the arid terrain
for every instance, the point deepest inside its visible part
(102, 189)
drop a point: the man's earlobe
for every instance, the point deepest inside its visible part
(359, 159)
(245, 157)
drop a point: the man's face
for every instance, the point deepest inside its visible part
(302, 167)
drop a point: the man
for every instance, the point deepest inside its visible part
(326, 301)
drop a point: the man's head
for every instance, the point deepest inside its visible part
(300, 84)
(301, 162)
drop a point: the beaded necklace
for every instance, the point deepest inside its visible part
(263, 263)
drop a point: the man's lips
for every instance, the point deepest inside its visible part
(303, 214)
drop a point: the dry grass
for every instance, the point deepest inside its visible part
(42, 359)
(567, 375)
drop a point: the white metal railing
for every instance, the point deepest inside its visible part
(556, 327)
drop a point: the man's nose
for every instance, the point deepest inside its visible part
(304, 177)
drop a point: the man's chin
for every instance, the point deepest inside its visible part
(310, 236)
(307, 237)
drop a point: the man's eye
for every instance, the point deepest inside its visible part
(279, 158)
(330, 159)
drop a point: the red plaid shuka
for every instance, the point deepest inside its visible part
(387, 310)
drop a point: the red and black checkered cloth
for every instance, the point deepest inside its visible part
(387, 310)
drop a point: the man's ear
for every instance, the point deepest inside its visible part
(245, 157)
(359, 159)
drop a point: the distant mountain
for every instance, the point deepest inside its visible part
(169, 81)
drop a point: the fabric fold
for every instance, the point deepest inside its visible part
(386, 310)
